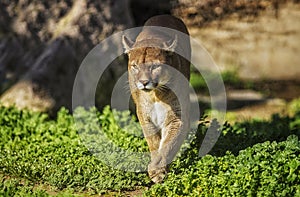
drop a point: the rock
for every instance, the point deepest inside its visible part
(256, 48)
(48, 42)
(48, 83)
(10, 53)
(195, 13)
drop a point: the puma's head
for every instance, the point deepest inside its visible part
(148, 65)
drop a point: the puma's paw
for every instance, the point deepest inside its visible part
(157, 175)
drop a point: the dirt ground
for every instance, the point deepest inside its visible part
(263, 49)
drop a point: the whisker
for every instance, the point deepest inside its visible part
(163, 88)
(127, 87)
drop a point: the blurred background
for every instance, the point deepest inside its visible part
(256, 44)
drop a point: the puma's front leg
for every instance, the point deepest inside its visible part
(157, 168)
(152, 134)
(172, 138)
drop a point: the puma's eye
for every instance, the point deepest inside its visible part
(134, 67)
(155, 66)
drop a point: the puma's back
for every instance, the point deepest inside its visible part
(167, 21)
(170, 22)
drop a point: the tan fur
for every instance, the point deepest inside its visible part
(162, 115)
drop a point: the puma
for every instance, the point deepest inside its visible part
(158, 79)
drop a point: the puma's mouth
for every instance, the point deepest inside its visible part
(146, 86)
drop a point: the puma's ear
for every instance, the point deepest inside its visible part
(171, 44)
(127, 43)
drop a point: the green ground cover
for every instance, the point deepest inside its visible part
(40, 156)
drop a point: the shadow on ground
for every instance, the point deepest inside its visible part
(246, 134)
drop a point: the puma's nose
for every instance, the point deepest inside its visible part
(144, 82)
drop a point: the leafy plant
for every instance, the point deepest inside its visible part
(38, 149)
(266, 169)
(94, 152)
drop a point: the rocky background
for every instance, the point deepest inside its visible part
(42, 43)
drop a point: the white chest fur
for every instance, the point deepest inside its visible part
(158, 114)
